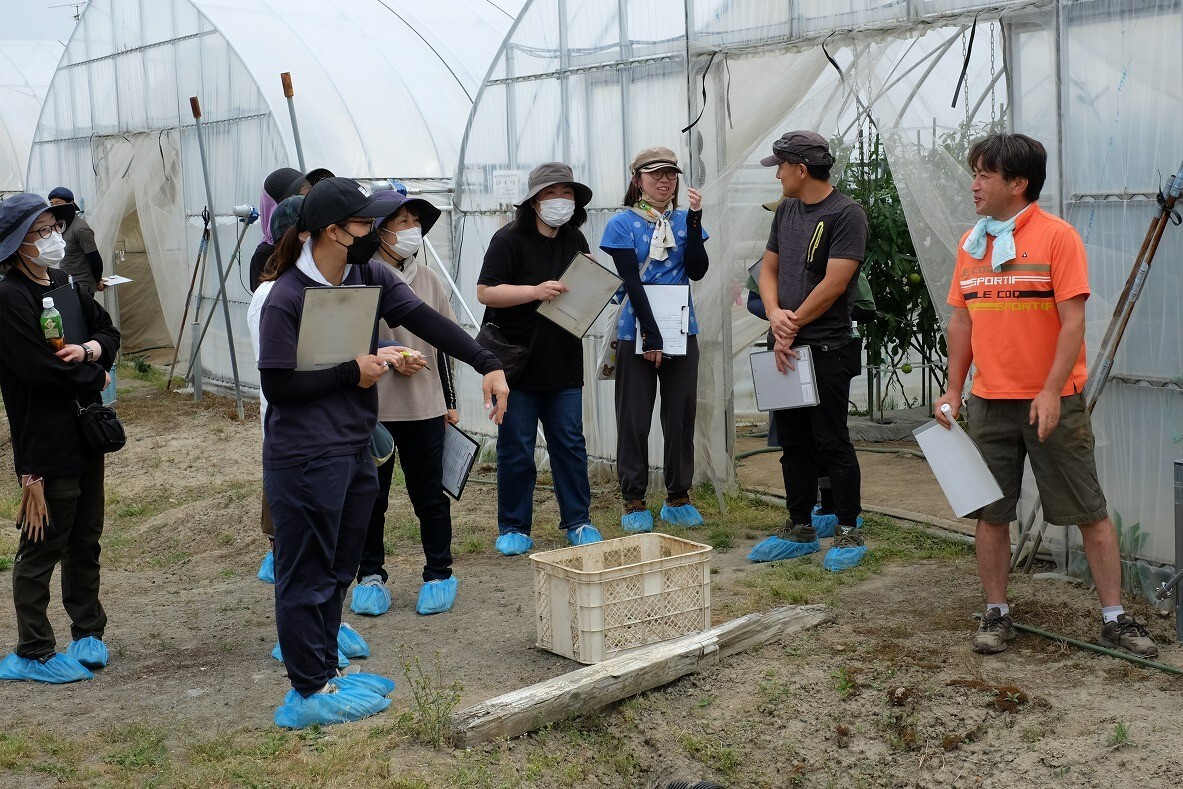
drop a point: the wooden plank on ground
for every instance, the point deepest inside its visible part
(590, 688)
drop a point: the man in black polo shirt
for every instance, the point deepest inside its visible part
(807, 283)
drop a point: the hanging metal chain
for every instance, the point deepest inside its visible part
(963, 51)
(993, 93)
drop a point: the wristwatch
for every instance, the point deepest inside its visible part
(88, 351)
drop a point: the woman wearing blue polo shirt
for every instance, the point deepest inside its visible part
(318, 473)
(654, 243)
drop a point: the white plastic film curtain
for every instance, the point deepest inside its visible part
(383, 88)
(1097, 81)
(26, 68)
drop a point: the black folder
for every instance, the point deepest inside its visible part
(66, 300)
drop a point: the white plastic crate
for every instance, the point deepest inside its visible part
(594, 602)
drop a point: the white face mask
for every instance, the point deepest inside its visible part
(407, 242)
(50, 251)
(557, 211)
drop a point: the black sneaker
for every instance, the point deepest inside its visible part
(1128, 635)
(994, 631)
(798, 533)
(847, 537)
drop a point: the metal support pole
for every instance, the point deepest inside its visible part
(451, 282)
(221, 292)
(1178, 544)
(286, 79)
(209, 196)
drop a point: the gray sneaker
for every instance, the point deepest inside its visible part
(847, 537)
(1128, 635)
(993, 632)
(798, 533)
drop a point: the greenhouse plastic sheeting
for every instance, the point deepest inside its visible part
(579, 82)
(27, 69)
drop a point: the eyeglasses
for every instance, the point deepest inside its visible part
(369, 223)
(664, 175)
(45, 231)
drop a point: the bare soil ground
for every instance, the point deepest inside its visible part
(889, 695)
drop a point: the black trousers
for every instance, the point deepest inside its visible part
(75, 506)
(637, 383)
(320, 510)
(815, 440)
(420, 449)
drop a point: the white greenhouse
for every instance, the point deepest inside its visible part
(28, 68)
(462, 99)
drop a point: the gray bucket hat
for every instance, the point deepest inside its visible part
(800, 147)
(17, 214)
(552, 173)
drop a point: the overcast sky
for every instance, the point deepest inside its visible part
(35, 19)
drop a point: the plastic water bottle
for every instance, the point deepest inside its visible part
(51, 325)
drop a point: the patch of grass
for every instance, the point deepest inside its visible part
(472, 544)
(713, 754)
(137, 747)
(1121, 736)
(433, 699)
(844, 682)
(720, 538)
(5, 563)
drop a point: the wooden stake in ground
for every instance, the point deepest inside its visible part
(588, 689)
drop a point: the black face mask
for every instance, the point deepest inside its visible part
(363, 248)
(67, 213)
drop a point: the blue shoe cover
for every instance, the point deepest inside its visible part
(267, 568)
(58, 670)
(436, 597)
(584, 535)
(825, 525)
(351, 644)
(513, 543)
(839, 559)
(687, 515)
(342, 661)
(775, 549)
(637, 522)
(348, 703)
(90, 652)
(374, 683)
(371, 598)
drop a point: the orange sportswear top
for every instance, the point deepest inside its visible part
(1015, 323)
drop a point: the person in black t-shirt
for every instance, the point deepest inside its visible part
(521, 270)
(61, 510)
(807, 280)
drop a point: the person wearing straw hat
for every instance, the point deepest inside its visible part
(318, 472)
(654, 242)
(414, 407)
(61, 507)
(520, 271)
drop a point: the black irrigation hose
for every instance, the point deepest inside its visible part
(1141, 661)
(876, 450)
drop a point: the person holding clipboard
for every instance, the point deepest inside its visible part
(415, 409)
(318, 473)
(653, 242)
(520, 271)
(61, 509)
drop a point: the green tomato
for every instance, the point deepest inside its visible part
(905, 369)
(915, 279)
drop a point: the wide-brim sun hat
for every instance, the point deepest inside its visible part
(334, 200)
(553, 174)
(427, 213)
(18, 212)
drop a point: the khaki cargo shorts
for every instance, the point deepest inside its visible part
(1064, 465)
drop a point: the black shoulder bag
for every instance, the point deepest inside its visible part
(101, 429)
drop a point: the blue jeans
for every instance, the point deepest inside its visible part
(561, 414)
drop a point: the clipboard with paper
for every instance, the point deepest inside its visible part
(336, 325)
(958, 466)
(671, 311)
(590, 286)
(776, 391)
(460, 451)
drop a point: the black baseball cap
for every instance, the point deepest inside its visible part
(800, 147)
(333, 200)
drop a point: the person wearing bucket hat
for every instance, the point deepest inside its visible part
(61, 508)
(655, 243)
(808, 280)
(318, 473)
(415, 410)
(280, 185)
(520, 271)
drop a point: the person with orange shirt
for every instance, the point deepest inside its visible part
(1018, 296)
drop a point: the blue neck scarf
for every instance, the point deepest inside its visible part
(1004, 239)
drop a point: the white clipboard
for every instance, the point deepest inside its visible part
(589, 288)
(958, 466)
(336, 325)
(460, 451)
(776, 391)
(671, 310)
